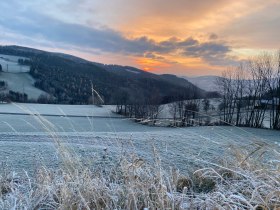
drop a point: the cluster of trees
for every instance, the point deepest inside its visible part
(184, 113)
(148, 109)
(13, 96)
(138, 107)
(3, 98)
(140, 111)
(3, 85)
(25, 62)
(16, 96)
(251, 92)
(191, 112)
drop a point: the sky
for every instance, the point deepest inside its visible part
(182, 37)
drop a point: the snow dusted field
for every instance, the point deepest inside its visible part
(17, 77)
(21, 82)
(28, 140)
(10, 64)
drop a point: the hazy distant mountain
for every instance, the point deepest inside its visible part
(207, 83)
(69, 79)
(180, 81)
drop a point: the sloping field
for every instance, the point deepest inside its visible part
(21, 82)
(18, 77)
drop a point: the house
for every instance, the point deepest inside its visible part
(271, 103)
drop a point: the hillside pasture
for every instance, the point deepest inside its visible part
(10, 64)
(21, 82)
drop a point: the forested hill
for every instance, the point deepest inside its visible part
(69, 79)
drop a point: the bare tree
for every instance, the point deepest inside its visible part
(206, 105)
(250, 90)
(274, 90)
(225, 84)
(260, 69)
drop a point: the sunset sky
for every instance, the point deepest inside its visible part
(182, 37)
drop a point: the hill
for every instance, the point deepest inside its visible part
(70, 79)
(207, 83)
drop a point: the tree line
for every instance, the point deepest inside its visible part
(251, 92)
(183, 112)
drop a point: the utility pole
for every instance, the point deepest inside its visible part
(23, 92)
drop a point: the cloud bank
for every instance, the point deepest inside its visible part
(55, 32)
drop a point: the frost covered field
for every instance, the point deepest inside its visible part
(86, 157)
(90, 129)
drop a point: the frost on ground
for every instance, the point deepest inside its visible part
(240, 180)
(114, 163)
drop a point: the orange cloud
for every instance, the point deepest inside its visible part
(151, 64)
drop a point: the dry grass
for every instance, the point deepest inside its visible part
(241, 182)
